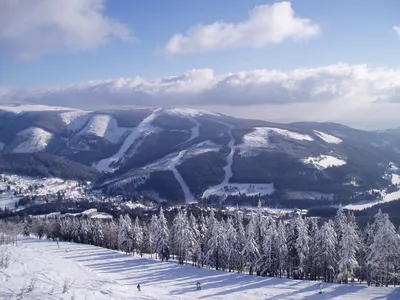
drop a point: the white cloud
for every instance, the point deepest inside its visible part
(31, 28)
(266, 24)
(397, 30)
(335, 92)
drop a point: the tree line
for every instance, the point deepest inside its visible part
(300, 247)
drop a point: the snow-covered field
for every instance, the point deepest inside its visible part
(95, 273)
(365, 204)
(327, 138)
(260, 136)
(395, 179)
(250, 189)
(311, 195)
(17, 109)
(324, 161)
(35, 140)
(104, 126)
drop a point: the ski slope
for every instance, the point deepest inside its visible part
(35, 139)
(144, 128)
(97, 273)
(327, 138)
(394, 196)
(172, 167)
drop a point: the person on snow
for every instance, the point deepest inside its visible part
(320, 287)
(198, 286)
(138, 287)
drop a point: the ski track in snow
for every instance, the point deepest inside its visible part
(195, 130)
(327, 138)
(143, 128)
(98, 274)
(229, 158)
(172, 167)
(229, 162)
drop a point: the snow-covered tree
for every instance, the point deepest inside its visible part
(138, 242)
(162, 238)
(325, 251)
(153, 234)
(383, 256)
(348, 247)
(302, 246)
(180, 236)
(267, 262)
(97, 233)
(251, 252)
(125, 234)
(240, 241)
(195, 252)
(281, 248)
(229, 247)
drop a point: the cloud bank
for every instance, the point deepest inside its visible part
(266, 24)
(339, 92)
(30, 29)
(352, 84)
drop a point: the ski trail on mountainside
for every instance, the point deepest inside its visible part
(172, 167)
(144, 128)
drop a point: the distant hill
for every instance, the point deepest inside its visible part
(45, 165)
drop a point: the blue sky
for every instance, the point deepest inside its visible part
(353, 32)
(313, 56)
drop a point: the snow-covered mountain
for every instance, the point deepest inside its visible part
(186, 154)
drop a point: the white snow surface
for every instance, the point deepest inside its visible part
(188, 112)
(259, 138)
(311, 195)
(327, 137)
(203, 147)
(324, 161)
(143, 129)
(75, 120)
(395, 179)
(104, 126)
(70, 116)
(35, 140)
(233, 189)
(95, 273)
(394, 196)
(393, 167)
(172, 167)
(17, 109)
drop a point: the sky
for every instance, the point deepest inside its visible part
(284, 61)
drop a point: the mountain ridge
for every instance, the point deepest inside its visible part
(200, 151)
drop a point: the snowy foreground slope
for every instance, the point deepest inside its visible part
(97, 273)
